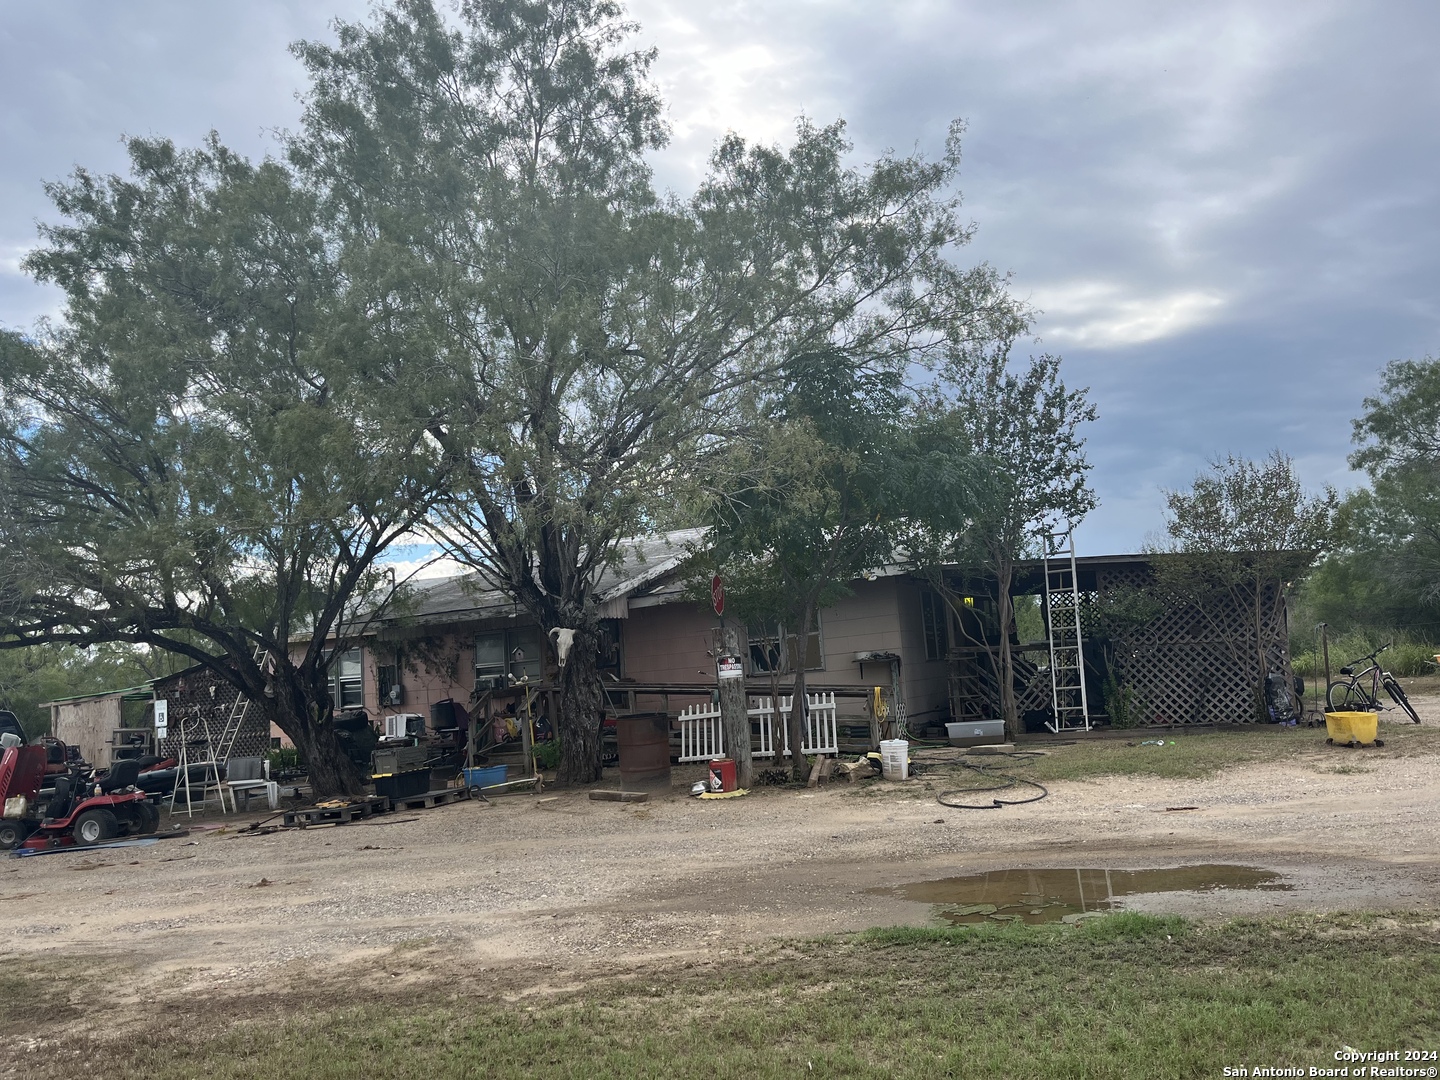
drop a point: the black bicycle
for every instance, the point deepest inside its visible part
(1351, 694)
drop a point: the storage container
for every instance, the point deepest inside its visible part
(722, 775)
(976, 733)
(486, 777)
(405, 785)
(1352, 727)
(895, 759)
(397, 759)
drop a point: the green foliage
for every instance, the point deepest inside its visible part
(583, 346)
(1407, 657)
(547, 754)
(1238, 540)
(46, 672)
(1397, 523)
(1002, 459)
(283, 758)
(1122, 702)
(202, 455)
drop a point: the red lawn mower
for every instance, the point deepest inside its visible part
(76, 811)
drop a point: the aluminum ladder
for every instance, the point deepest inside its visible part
(238, 710)
(1067, 648)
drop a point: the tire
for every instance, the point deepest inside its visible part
(1347, 697)
(95, 826)
(12, 835)
(150, 818)
(1397, 695)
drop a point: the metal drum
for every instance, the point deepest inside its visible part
(644, 744)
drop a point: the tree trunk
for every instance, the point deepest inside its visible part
(734, 714)
(1005, 616)
(578, 725)
(798, 766)
(331, 772)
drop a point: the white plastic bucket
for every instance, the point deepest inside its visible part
(895, 759)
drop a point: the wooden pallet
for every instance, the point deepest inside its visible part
(336, 815)
(430, 799)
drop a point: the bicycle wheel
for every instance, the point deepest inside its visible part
(1347, 697)
(1397, 695)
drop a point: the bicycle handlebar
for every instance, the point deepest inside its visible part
(1372, 657)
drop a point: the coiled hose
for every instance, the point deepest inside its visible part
(1023, 757)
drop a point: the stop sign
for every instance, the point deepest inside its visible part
(717, 594)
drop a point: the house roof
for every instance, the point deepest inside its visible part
(640, 564)
(142, 692)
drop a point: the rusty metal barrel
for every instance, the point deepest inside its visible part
(643, 740)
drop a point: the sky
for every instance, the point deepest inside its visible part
(1227, 215)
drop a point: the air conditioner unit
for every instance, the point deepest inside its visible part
(402, 725)
(395, 695)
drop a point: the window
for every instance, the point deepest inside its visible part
(508, 656)
(765, 650)
(934, 618)
(347, 680)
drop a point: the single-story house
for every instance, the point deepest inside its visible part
(459, 641)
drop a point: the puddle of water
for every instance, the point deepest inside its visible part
(1039, 896)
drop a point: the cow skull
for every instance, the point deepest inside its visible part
(562, 638)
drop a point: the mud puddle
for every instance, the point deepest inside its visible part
(1040, 896)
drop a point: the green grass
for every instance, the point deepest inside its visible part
(1184, 756)
(1407, 655)
(1127, 995)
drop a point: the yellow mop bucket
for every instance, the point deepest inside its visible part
(1352, 728)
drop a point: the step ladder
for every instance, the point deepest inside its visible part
(1067, 651)
(197, 748)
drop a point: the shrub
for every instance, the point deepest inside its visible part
(1406, 657)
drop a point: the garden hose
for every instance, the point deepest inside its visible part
(1024, 757)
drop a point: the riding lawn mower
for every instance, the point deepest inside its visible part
(75, 808)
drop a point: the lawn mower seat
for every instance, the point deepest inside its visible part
(122, 774)
(60, 801)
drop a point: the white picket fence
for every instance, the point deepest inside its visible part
(701, 738)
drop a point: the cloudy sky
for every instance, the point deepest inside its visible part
(1228, 213)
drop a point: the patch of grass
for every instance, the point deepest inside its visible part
(1183, 756)
(1127, 995)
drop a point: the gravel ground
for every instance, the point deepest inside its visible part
(565, 880)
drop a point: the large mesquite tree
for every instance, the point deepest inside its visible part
(587, 340)
(195, 457)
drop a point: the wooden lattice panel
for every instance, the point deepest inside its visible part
(1183, 672)
(204, 700)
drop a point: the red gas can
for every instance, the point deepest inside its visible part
(722, 775)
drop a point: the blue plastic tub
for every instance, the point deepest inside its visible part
(486, 777)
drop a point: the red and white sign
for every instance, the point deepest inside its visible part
(729, 667)
(717, 594)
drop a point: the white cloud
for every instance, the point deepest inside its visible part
(424, 567)
(1106, 315)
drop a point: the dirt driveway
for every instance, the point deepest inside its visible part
(569, 882)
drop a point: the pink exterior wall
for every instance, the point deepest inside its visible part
(669, 643)
(422, 687)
